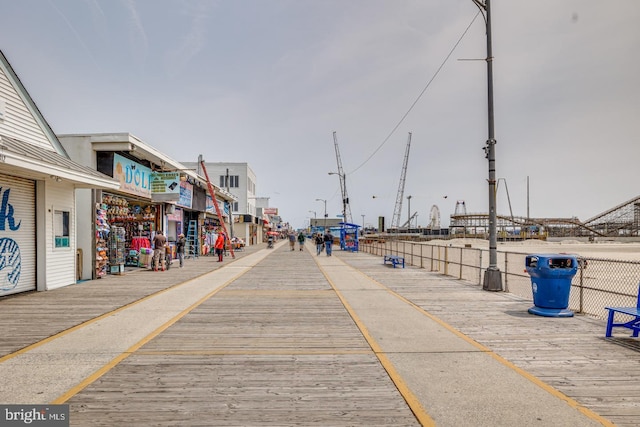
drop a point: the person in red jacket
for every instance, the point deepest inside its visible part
(219, 246)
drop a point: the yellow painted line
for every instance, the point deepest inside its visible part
(537, 381)
(113, 363)
(93, 320)
(414, 404)
(285, 293)
(283, 352)
(102, 316)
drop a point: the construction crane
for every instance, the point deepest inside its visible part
(395, 221)
(346, 209)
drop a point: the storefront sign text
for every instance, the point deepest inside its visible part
(134, 178)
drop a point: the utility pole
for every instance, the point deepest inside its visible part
(492, 275)
(325, 213)
(230, 207)
(409, 214)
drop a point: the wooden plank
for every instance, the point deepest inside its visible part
(275, 347)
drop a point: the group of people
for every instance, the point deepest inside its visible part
(160, 249)
(293, 238)
(323, 242)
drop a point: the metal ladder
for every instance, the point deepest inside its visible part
(192, 240)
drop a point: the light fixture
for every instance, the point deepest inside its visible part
(55, 178)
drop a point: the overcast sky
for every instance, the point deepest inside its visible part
(267, 82)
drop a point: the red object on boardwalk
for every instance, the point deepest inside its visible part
(215, 203)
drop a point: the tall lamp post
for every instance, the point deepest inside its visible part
(314, 217)
(492, 275)
(343, 186)
(325, 212)
(409, 215)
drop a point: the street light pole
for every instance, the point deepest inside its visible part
(325, 212)
(409, 215)
(314, 218)
(492, 275)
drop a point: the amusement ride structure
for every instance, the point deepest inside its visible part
(622, 220)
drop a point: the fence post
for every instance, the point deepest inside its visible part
(431, 258)
(421, 259)
(480, 268)
(446, 260)
(506, 272)
(581, 293)
(461, 255)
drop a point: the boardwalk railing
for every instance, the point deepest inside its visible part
(598, 283)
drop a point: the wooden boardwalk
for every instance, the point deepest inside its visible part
(570, 354)
(277, 346)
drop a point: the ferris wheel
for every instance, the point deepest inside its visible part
(434, 218)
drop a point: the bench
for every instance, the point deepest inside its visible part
(633, 324)
(394, 259)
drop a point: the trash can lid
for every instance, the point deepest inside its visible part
(551, 261)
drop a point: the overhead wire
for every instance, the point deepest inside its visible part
(419, 96)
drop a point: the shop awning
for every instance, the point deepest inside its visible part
(33, 162)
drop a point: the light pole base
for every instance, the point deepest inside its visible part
(492, 280)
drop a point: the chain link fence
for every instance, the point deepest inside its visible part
(599, 283)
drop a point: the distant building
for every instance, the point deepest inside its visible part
(239, 180)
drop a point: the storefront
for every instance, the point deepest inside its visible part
(38, 185)
(159, 194)
(132, 218)
(127, 220)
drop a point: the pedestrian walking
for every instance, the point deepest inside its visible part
(328, 241)
(301, 239)
(292, 241)
(159, 243)
(219, 246)
(180, 244)
(319, 243)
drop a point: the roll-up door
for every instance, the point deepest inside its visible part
(17, 235)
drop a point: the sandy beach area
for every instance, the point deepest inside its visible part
(604, 250)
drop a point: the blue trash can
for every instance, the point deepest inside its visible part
(551, 276)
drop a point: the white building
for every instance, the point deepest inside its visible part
(240, 180)
(38, 182)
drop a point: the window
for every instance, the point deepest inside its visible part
(235, 206)
(61, 229)
(233, 181)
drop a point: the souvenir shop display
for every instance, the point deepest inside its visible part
(145, 258)
(208, 235)
(137, 221)
(116, 250)
(102, 235)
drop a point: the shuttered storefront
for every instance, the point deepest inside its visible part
(17, 235)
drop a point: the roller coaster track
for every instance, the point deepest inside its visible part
(621, 220)
(482, 220)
